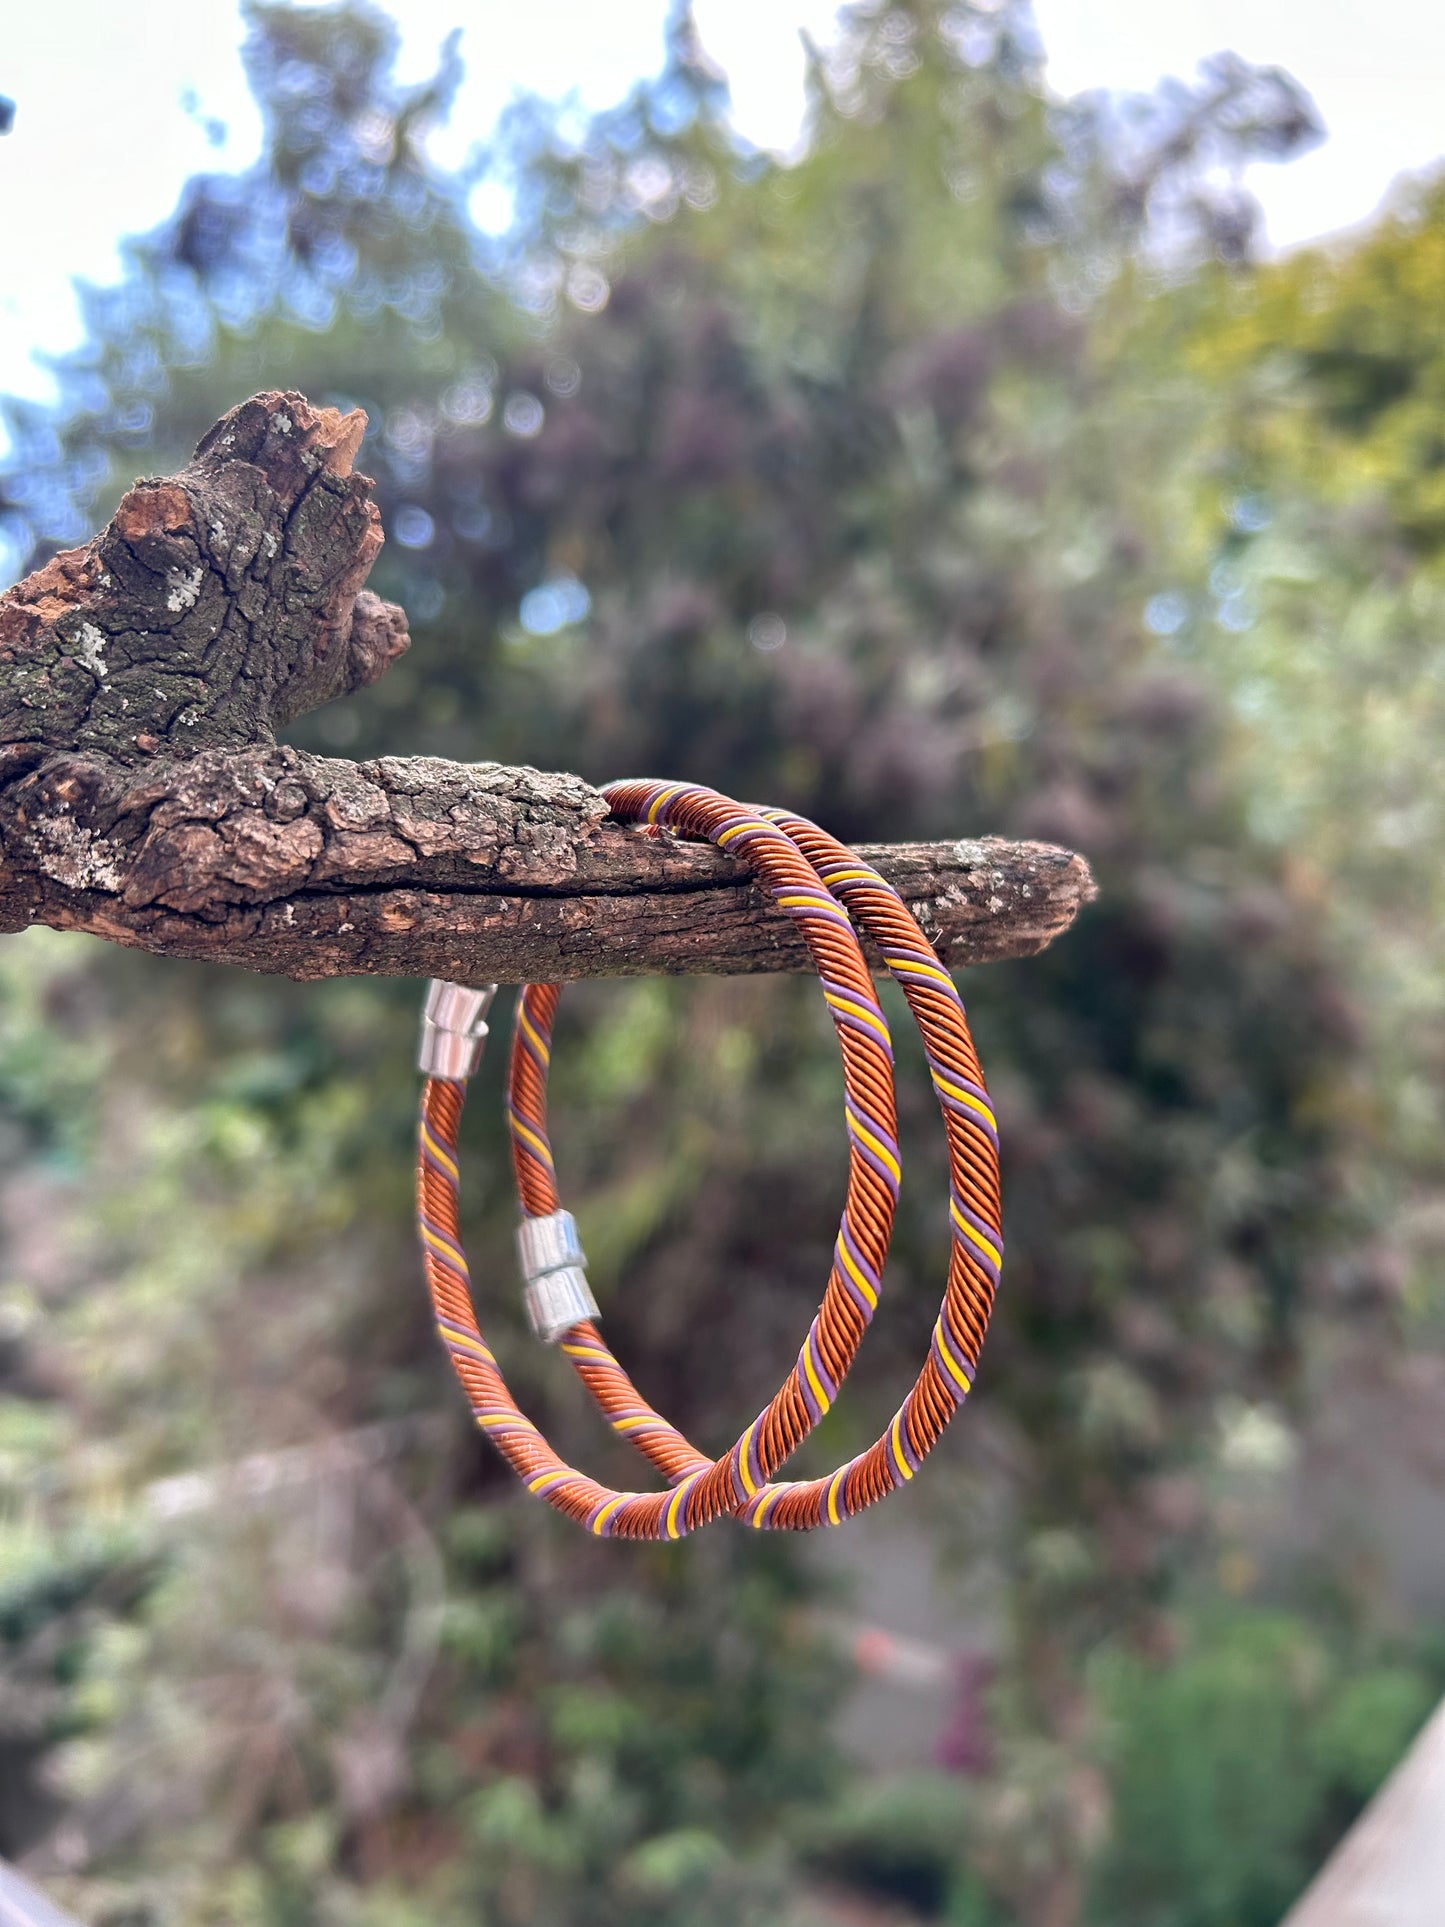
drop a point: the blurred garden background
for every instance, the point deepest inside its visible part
(972, 469)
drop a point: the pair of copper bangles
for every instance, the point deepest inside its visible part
(825, 889)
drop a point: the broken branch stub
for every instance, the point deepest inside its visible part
(143, 796)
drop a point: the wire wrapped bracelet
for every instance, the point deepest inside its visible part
(866, 1224)
(974, 1212)
(809, 874)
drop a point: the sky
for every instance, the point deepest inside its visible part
(116, 105)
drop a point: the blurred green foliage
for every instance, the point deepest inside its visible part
(1321, 542)
(962, 475)
(1226, 1771)
(1227, 1768)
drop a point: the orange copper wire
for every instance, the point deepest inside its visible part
(741, 1481)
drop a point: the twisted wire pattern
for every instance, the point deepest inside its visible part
(704, 1487)
(976, 1244)
(741, 1482)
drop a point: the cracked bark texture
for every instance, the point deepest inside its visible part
(143, 796)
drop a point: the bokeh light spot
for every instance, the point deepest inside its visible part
(554, 605)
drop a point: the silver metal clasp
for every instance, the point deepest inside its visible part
(558, 1295)
(453, 1029)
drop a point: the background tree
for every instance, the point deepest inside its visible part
(847, 484)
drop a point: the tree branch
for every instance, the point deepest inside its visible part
(143, 796)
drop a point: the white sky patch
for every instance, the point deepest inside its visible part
(758, 44)
(102, 141)
(491, 205)
(1374, 70)
(100, 147)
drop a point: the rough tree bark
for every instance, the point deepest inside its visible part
(144, 798)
